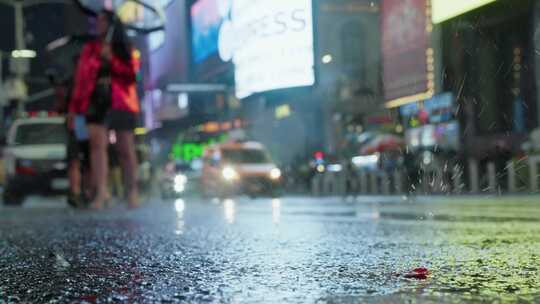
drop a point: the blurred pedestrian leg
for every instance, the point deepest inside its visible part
(116, 188)
(99, 163)
(128, 161)
(116, 185)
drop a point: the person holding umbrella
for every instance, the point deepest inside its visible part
(105, 94)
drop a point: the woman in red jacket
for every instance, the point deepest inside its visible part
(105, 93)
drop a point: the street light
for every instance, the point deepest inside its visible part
(14, 55)
(326, 59)
(26, 54)
(21, 52)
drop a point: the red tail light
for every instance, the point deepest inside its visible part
(22, 170)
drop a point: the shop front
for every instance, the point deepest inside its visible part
(489, 66)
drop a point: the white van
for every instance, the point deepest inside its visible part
(35, 159)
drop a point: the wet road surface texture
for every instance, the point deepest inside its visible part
(288, 250)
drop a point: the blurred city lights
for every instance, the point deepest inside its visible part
(183, 101)
(367, 160)
(276, 210)
(275, 174)
(179, 206)
(229, 209)
(335, 168)
(326, 59)
(23, 54)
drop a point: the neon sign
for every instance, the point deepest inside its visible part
(192, 151)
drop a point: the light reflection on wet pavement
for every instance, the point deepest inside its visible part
(293, 250)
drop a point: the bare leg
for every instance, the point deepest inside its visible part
(99, 163)
(116, 175)
(128, 161)
(87, 182)
(74, 174)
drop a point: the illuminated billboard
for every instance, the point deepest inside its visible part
(206, 21)
(404, 49)
(447, 9)
(270, 43)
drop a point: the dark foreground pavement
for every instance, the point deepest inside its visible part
(291, 250)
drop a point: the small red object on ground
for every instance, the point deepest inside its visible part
(420, 273)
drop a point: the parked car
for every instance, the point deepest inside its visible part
(35, 159)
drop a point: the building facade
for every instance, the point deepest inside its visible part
(489, 61)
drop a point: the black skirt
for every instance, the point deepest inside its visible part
(121, 120)
(100, 104)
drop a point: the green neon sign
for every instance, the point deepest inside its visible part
(191, 151)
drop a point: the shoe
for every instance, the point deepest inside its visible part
(108, 203)
(133, 200)
(75, 200)
(100, 202)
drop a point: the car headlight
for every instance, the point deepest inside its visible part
(275, 174)
(180, 179)
(229, 174)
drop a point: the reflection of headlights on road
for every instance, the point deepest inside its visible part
(275, 174)
(180, 183)
(180, 206)
(229, 174)
(179, 188)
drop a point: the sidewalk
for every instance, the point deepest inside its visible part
(461, 198)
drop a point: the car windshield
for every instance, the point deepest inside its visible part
(245, 156)
(183, 167)
(41, 134)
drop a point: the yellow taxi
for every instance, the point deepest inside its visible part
(240, 168)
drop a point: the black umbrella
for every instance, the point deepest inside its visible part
(63, 54)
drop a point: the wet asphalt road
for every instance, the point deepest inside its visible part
(288, 250)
